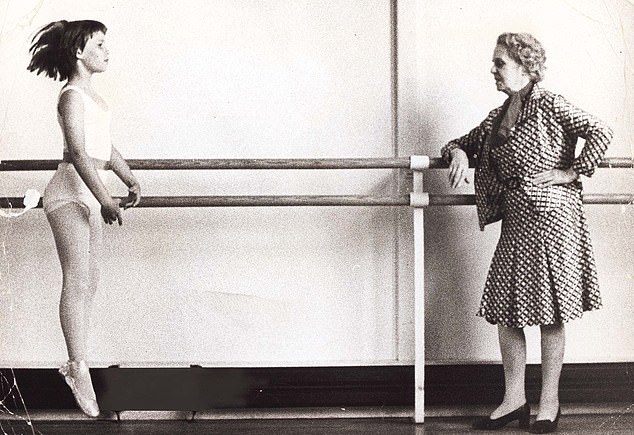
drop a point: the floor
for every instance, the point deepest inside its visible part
(569, 424)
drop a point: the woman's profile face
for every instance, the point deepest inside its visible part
(95, 54)
(509, 75)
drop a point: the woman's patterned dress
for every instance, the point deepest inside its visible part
(543, 270)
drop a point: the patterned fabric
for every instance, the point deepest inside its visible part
(543, 269)
(543, 138)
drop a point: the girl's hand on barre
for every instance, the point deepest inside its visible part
(134, 197)
(111, 212)
(458, 167)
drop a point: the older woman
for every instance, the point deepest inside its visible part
(543, 272)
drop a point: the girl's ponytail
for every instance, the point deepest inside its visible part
(47, 51)
(55, 47)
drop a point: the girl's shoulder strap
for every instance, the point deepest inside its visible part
(79, 90)
(73, 88)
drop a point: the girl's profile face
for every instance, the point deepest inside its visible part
(95, 54)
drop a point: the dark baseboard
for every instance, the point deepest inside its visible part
(198, 388)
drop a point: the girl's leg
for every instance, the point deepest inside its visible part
(553, 343)
(71, 229)
(513, 349)
(96, 249)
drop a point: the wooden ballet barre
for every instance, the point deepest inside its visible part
(617, 162)
(612, 198)
(342, 163)
(274, 201)
(588, 198)
(419, 200)
(189, 164)
(252, 201)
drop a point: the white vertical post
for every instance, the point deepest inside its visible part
(418, 200)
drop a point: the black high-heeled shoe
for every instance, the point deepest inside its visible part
(545, 426)
(523, 414)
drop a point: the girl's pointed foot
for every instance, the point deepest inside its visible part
(77, 376)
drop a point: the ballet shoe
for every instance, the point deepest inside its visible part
(545, 426)
(522, 414)
(87, 403)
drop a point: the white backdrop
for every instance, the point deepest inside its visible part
(278, 79)
(589, 50)
(223, 79)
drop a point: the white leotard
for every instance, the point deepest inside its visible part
(97, 140)
(66, 186)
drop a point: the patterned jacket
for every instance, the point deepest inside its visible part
(544, 137)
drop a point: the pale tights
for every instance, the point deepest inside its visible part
(78, 238)
(513, 349)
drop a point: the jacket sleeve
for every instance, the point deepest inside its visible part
(577, 123)
(471, 142)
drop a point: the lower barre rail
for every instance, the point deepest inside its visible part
(223, 164)
(252, 201)
(318, 200)
(274, 201)
(588, 198)
(326, 163)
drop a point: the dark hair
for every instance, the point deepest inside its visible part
(55, 46)
(524, 49)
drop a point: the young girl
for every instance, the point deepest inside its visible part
(76, 198)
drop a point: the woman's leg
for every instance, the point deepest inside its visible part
(513, 349)
(553, 343)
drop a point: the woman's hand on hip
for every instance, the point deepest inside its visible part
(553, 177)
(111, 212)
(458, 168)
